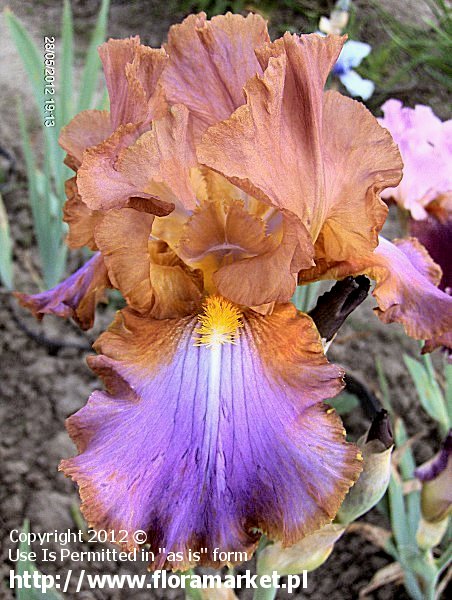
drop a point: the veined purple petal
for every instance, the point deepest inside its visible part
(406, 288)
(436, 465)
(436, 476)
(76, 297)
(208, 447)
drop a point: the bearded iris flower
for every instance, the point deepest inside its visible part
(211, 430)
(425, 193)
(426, 148)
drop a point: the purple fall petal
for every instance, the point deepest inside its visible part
(76, 297)
(209, 447)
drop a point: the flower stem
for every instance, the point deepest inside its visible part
(264, 593)
(192, 593)
(261, 593)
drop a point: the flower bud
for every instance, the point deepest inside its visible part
(436, 477)
(376, 448)
(306, 555)
(429, 534)
(220, 593)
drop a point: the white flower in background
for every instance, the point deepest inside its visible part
(350, 57)
(352, 53)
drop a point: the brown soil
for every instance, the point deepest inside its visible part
(40, 391)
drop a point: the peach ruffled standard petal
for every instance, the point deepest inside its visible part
(406, 279)
(210, 62)
(132, 72)
(161, 159)
(152, 279)
(322, 158)
(210, 447)
(271, 147)
(98, 183)
(360, 160)
(76, 297)
(154, 167)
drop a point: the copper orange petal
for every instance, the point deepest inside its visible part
(81, 219)
(323, 158)
(153, 280)
(159, 162)
(221, 232)
(88, 128)
(154, 167)
(132, 72)
(103, 187)
(271, 147)
(360, 160)
(178, 289)
(122, 237)
(171, 227)
(222, 50)
(267, 277)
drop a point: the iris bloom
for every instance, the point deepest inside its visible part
(212, 428)
(425, 192)
(426, 148)
(426, 188)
